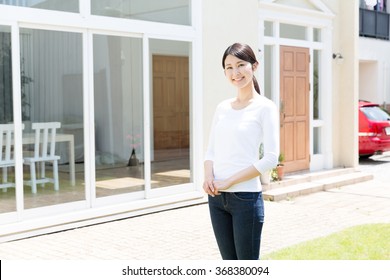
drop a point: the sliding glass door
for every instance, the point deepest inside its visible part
(7, 162)
(52, 96)
(118, 102)
(170, 110)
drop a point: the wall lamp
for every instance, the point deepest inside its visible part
(338, 57)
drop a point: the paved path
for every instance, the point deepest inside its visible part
(186, 233)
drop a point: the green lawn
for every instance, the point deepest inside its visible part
(364, 242)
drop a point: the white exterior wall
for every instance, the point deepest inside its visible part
(224, 23)
(374, 69)
(348, 85)
(345, 76)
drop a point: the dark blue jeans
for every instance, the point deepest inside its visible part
(237, 220)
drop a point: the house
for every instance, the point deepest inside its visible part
(374, 57)
(134, 85)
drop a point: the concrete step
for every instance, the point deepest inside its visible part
(303, 177)
(303, 184)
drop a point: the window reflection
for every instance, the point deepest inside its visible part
(291, 31)
(171, 113)
(66, 6)
(316, 84)
(6, 112)
(118, 94)
(52, 96)
(7, 161)
(317, 35)
(268, 75)
(167, 11)
(268, 28)
(317, 140)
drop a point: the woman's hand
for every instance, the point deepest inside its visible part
(221, 185)
(212, 187)
(208, 186)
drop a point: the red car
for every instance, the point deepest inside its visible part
(374, 129)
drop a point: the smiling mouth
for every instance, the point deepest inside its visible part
(238, 79)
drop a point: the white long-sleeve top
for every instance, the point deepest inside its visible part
(235, 139)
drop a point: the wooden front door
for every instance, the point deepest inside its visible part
(294, 107)
(170, 103)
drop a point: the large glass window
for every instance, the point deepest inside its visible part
(167, 11)
(118, 94)
(7, 163)
(66, 6)
(52, 101)
(170, 135)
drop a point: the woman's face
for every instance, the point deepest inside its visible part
(239, 72)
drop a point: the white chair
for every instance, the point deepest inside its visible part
(44, 151)
(6, 154)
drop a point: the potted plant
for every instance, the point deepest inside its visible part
(280, 166)
(277, 173)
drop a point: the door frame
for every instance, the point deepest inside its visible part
(319, 18)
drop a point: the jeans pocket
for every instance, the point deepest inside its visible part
(245, 196)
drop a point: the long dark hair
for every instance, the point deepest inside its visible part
(244, 52)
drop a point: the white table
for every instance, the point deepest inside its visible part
(29, 138)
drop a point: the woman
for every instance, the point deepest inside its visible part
(232, 164)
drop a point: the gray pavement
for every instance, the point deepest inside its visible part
(186, 233)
